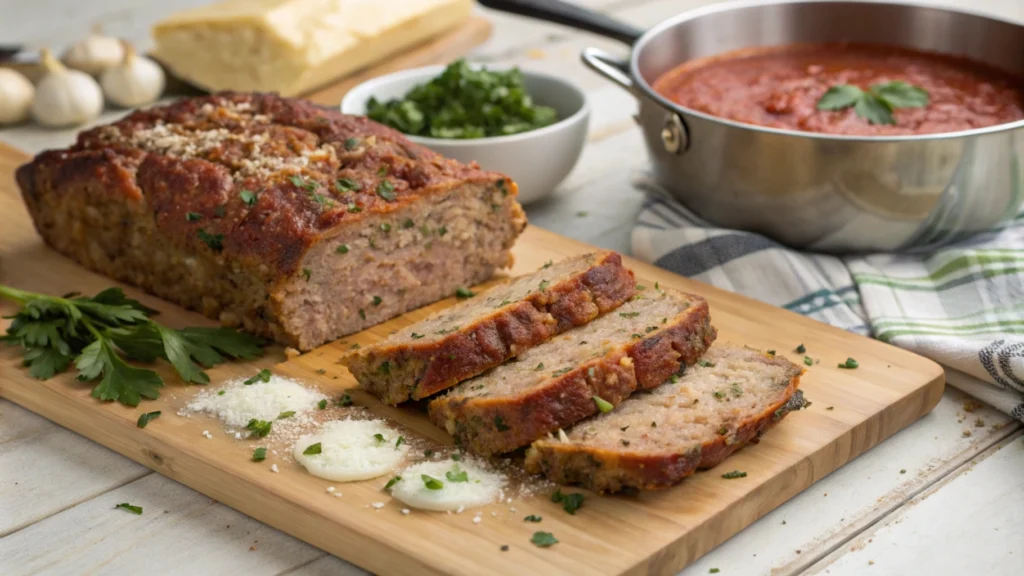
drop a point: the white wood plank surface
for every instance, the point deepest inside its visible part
(57, 490)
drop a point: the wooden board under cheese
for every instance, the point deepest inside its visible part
(294, 46)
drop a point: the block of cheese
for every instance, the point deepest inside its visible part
(294, 46)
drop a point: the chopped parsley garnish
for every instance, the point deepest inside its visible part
(221, 392)
(408, 223)
(353, 208)
(399, 442)
(145, 418)
(385, 227)
(582, 214)
(428, 453)
(544, 285)
(801, 349)
(299, 182)
(416, 336)
(705, 364)
(456, 475)
(442, 230)
(561, 371)
(719, 394)
(214, 241)
(770, 352)
(193, 216)
(259, 427)
(603, 405)
(808, 361)
(547, 265)
(570, 502)
(261, 376)
(313, 449)
(286, 414)
(248, 197)
(877, 103)
(394, 480)
(641, 288)
(307, 273)
(462, 292)
(321, 405)
(346, 185)
(344, 400)
(543, 539)
(532, 518)
(674, 378)
(736, 389)
(499, 423)
(385, 367)
(431, 483)
(464, 102)
(351, 143)
(629, 314)
(734, 474)
(259, 455)
(850, 364)
(539, 367)
(137, 510)
(219, 211)
(386, 190)
(362, 314)
(377, 300)
(713, 571)
(379, 438)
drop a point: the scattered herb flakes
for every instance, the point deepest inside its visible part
(736, 389)
(353, 208)
(386, 190)
(346, 185)
(313, 449)
(146, 418)
(543, 539)
(629, 314)
(538, 367)
(299, 182)
(137, 510)
(850, 364)
(321, 405)
(428, 453)
(456, 456)
(547, 265)
(416, 336)
(500, 424)
(603, 405)
(261, 376)
(307, 274)
(770, 352)
(654, 424)
(830, 408)
(248, 197)
(385, 367)
(462, 292)
(734, 474)
(399, 442)
(713, 571)
(385, 227)
(219, 211)
(808, 361)
(354, 346)
(259, 454)
(903, 471)
(674, 378)
(342, 249)
(705, 363)
(504, 547)
(214, 241)
(321, 371)
(286, 414)
(570, 502)
(544, 285)
(351, 143)
(221, 392)
(641, 288)
(582, 214)
(362, 314)
(442, 230)
(562, 371)
(532, 518)
(193, 216)
(379, 438)
(431, 483)
(718, 394)
(259, 427)
(344, 400)
(801, 349)
(456, 475)
(377, 300)
(394, 480)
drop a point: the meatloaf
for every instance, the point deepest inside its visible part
(576, 374)
(483, 331)
(655, 439)
(295, 222)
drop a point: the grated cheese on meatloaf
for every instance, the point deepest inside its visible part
(293, 221)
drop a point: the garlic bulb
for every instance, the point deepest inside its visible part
(15, 96)
(95, 53)
(134, 82)
(65, 97)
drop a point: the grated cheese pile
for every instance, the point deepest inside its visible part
(241, 403)
(458, 485)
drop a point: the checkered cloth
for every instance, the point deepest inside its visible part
(962, 306)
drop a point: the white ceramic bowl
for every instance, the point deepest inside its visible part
(537, 160)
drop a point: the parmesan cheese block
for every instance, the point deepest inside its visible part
(294, 46)
(452, 485)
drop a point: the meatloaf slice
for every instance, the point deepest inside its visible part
(296, 222)
(654, 440)
(564, 380)
(482, 332)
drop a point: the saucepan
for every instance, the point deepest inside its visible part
(822, 192)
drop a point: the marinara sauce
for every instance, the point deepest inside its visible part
(780, 87)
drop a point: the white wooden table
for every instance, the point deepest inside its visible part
(944, 496)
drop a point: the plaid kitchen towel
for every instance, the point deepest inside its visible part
(962, 306)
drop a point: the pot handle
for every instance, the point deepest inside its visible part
(608, 66)
(569, 15)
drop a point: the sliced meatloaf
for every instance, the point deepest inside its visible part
(295, 222)
(576, 373)
(482, 332)
(655, 439)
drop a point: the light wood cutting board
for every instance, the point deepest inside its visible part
(655, 533)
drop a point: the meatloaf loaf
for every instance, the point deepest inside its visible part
(295, 222)
(655, 439)
(576, 374)
(482, 332)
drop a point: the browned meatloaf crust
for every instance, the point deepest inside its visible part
(482, 332)
(554, 385)
(296, 222)
(655, 439)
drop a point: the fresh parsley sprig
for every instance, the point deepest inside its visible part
(101, 332)
(876, 104)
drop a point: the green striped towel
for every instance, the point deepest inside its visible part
(962, 305)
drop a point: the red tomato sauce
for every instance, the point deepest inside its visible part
(780, 88)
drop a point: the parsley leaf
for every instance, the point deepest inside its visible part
(850, 364)
(570, 502)
(734, 474)
(394, 480)
(259, 427)
(462, 292)
(144, 419)
(313, 449)
(543, 539)
(431, 483)
(261, 376)
(137, 510)
(248, 197)
(259, 454)
(603, 405)
(457, 475)
(532, 518)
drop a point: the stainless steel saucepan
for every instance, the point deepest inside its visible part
(816, 191)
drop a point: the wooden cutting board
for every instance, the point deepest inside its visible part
(656, 533)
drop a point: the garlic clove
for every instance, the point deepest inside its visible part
(65, 97)
(134, 82)
(94, 53)
(16, 94)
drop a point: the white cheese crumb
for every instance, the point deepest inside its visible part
(241, 403)
(460, 510)
(511, 508)
(207, 435)
(508, 501)
(405, 511)
(476, 519)
(330, 488)
(494, 514)
(238, 435)
(378, 505)
(274, 468)
(562, 437)
(337, 494)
